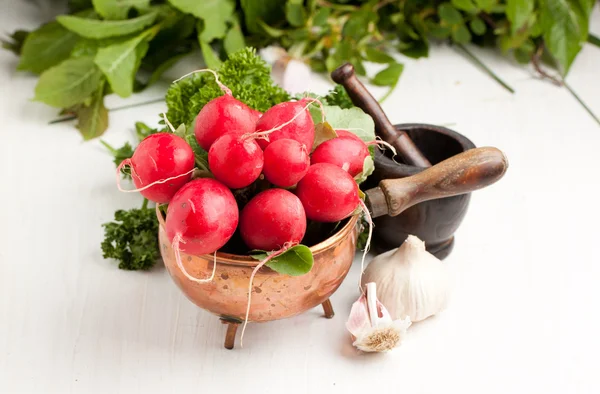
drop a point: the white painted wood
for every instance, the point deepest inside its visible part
(523, 317)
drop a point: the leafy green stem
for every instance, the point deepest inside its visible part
(145, 204)
(588, 110)
(140, 104)
(594, 40)
(489, 72)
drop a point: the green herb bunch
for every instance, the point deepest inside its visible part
(114, 46)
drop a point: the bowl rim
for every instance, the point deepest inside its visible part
(247, 261)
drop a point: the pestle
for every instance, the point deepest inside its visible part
(360, 96)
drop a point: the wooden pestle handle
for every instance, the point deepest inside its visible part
(463, 173)
(360, 96)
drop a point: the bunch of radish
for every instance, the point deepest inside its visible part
(304, 181)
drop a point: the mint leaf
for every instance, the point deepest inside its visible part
(119, 62)
(234, 39)
(46, 47)
(214, 14)
(351, 119)
(296, 261)
(70, 83)
(96, 29)
(449, 14)
(461, 34)
(377, 56)
(518, 13)
(465, 5)
(478, 26)
(295, 13)
(257, 11)
(368, 168)
(563, 31)
(118, 9)
(93, 118)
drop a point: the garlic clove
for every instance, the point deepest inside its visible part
(371, 324)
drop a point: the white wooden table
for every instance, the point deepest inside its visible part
(524, 313)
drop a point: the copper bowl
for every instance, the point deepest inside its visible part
(275, 296)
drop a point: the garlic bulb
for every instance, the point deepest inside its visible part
(291, 74)
(411, 281)
(371, 325)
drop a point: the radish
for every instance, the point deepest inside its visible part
(223, 115)
(291, 120)
(286, 162)
(161, 164)
(201, 217)
(273, 219)
(328, 193)
(345, 152)
(236, 160)
(347, 134)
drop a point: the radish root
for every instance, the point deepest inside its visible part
(368, 244)
(274, 254)
(164, 115)
(160, 181)
(379, 142)
(265, 134)
(175, 245)
(224, 88)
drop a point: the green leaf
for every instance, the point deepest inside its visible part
(357, 26)
(465, 5)
(296, 261)
(295, 13)
(440, 31)
(562, 31)
(93, 118)
(46, 47)
(486, 5)
(118, 9)
(270, 31)
(351, 119)
(15, 41)
(461, 34)
(214, 14)
(266, 11)
(518, 13)
(377, 56)
(70, 83)
(234, 39)
(478, 26)
(323, 132)
(119, 62)
(321, 16)
(92, 28)
(388, 76)
(449, 14)
(210, 57)
(160, 70)
(368, 168)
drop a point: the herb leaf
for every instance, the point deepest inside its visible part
(118, 9)
(351, 119)
(214, 14)
(46, 47)
(120, 61)
(518, 13)
(297, 260)
(93, 118)
(96, 29)
(68, 84)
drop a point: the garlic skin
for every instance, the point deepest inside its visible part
(291, 74)
(371, 324)
(411, 282)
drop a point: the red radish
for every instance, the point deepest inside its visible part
(328, 193)
(286, 162)
(201, 217)
(345, 152)
(223, 115)
(290, 119)
(235, 160)
(348, 134)
(161, 164)
(273, 219)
